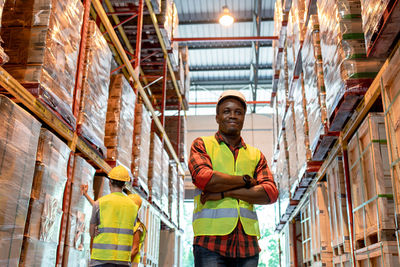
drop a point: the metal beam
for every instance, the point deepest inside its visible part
(242, 81)
(256, 49)
(226, 39)
(224, 45)
(213, 21)
(227, 67)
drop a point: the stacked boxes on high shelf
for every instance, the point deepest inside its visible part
(340, 236)
(42, 41)
(184, 73)
(19, 136)
(141, 147)
(320, 232)
(43, 223)
(282, 176)
(119, 121)
(372, 195)
(155, 169)
(164, 197)
(390, 95)
(95, 87)
(291, 145)
(171, 128)
(77, 244)
(347, 72)
(3, 55)
(173, 193)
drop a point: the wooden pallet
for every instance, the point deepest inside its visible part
(324, 259)
(375, 236)
(323, 144)
(380, 254)
(342, 248)
(342, 260)
(307, 174)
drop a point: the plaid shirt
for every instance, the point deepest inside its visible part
(237, 244)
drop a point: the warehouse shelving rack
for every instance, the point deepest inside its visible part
(371, 97)
(79, 144)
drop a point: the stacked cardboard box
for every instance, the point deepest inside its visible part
(165, 182)
(19, 136)
(42, 41)
(346, 69)
(173, 193)
(155, 169)
(77, 240)
(3, 55)
(141, 146)
(314, 86)
(96, 79)
(291, 142)
(119, 121)
(282, 93)
(171, 128)
(45, 208)
(282, 174)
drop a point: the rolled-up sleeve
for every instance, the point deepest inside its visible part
(200, 165)
(264, 177)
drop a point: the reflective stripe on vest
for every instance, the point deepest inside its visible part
(116, 228)
(221, 217)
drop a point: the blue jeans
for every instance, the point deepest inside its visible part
(206, 258)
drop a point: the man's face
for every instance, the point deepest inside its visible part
(230, 116)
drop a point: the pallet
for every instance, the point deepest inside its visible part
(342, 260)
(307, 174)
(323, 144)
(380, 254)
(374, 237)
(382, 40)
(323, 259)
(342, 248)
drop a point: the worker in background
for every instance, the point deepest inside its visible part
(112, 223)
(139, 233)
(230, 176)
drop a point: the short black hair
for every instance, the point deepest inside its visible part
(117, 183)
(231, 97)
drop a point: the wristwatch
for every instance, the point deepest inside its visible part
(247, 181)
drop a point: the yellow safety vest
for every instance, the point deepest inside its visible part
(221, 217)
(141, 240)
(117, 222)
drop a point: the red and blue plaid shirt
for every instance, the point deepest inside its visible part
(236, 244)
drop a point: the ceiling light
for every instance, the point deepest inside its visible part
(226, 18)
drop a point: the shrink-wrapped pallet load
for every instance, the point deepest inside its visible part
(282, 174)
(171, 128)
(96, 80)
(77, 238)
(19, 136)
(173, 193)
(43, 223)
(291, 145)
(346, 69)
(141, 146)
(165, 182)
(42, 41)
(155, 169)
(119, 121)
(282, 91)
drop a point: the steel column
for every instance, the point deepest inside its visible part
(164, 93)
(139, 36)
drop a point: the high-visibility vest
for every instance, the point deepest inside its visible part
(141, 240)
(117, 221)
(220, 217)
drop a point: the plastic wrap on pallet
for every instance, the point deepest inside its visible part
(181, 199)
(164, 181)
(173, 193)
(119, 121)
(291, 141)
(283, 90)
(310, 54)
(19, 136)
(45, 208)
(290, 46)
(343, 48)
(373, 204)
(301, 121)
(278, 16)
(174, 56)
(155, 169)
(372, 12)
(95, 84)
(171, 128)
(165, 20)
(42, 41)
(282, 174)
(141, 149)
(77, 239)
(299, 31)
(156, 4)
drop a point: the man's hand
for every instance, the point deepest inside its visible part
(84, 189)
(205, 196)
